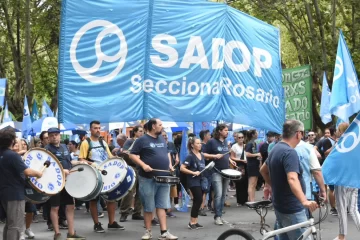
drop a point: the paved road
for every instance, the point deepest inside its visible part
(238, 217)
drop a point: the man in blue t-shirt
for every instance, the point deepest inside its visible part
(150, 153)
(12, 184)
(282, 170)
(218, 150)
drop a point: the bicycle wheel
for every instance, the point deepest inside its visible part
(235, 234)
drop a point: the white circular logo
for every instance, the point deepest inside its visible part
(152, 145)
(350, 135)
(110, 29)
(219, 149)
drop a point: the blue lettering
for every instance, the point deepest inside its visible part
(59, 183)
(27, 162)
(29, 157)
(57, 170)
(59, 177)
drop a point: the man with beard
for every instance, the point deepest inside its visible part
(94, 150)
(217, 150)
(150, 152)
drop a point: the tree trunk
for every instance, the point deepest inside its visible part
(29, 89)
(322, 36)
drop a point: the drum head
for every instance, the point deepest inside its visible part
(53, 178)
(81, 184)
(231, 173)
(116, 171)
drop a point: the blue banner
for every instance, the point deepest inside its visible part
(345, 96)
(342, 166)
(199, 126)
(2, 91)
(325, 113)
(176, 60)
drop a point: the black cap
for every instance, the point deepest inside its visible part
(53, 130)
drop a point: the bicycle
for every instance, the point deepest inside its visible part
(261, 208)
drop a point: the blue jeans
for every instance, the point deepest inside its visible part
(285, 220)
(220, 185)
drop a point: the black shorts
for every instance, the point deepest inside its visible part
(29, 207)
(253, 169)
(62, 198)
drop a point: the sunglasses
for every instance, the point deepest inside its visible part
(311, 135)
(240, 137)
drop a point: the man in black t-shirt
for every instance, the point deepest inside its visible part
(217, 150)
(12, 184)
(150, 153)
(63, 155)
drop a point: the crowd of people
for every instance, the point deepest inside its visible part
(286, 167)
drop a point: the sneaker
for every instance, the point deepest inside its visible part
(131, 210)
(57, 236)
(177, 206)
(137, 217)
(147, 235)
(226, 204)
(123, 218)
(218, 221)
(170, 214)
(98, 228)
(50, 227)
(87, 211)
(333, 212)
(101, 215)
(63, 225)
(192, 226)
(115, 226)
(223, 221)
(78, 208)
(22, 236)
(155, 222)
(167, 236)
(189, 205)
(29, 234)
(199, 226)
(35, 219)
(202, 212)
(74, 237)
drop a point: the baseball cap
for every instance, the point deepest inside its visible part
(53, 130)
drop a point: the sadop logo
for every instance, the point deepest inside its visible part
(88, 72)
(350, 140)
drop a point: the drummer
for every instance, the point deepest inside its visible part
(217, 149)
(12, 182)
(94, 151)
(62, 154)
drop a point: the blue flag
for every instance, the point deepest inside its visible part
(345, 97)
(325, 113)
(183, 149)
(2, 91)
(34, 112)
(342, 166)
(7, 116)
(210, 61)
(46, 110)
(26, 124)
(185, 200)
(199, 126)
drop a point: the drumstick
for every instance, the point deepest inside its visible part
(46, 165)
(80, 169)
(159, 170)
(103, 172)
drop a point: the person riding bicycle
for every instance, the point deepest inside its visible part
(282, 170)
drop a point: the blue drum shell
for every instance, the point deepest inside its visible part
(124, 188)
(33, 196)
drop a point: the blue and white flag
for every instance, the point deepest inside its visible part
(342, 166)
(2, 91)
(325, 113)
(345, 97)
(177, 60)
(185, 200)
(34, 112)
(46, 110)
(7, 116)
(26, 124)
(183, 149)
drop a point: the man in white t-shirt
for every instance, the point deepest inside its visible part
(95, 150)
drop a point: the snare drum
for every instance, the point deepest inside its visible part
(124, 188)
(229, 174)
(53, 178)
(116, 169)
(85, 185)
(167, 179)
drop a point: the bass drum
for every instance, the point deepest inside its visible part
(124, 188)
(85, 185)
(33, 196)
